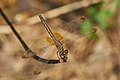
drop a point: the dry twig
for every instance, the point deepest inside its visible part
(54, 13)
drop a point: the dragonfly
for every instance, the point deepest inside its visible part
(56, 40)
(28, 52)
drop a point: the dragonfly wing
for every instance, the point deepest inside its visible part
(42, 48)
(45, 50)
(38, 45)
(70, 30)
(50, 53)
(73, 26)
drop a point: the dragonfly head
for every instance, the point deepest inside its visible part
(64, 55)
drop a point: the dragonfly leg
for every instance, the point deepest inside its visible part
(36, 73)
(25, 55)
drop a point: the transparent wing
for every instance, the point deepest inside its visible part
(45, 50)
(38, 68)
(71, 28)
(43, 45)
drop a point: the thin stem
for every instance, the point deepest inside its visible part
(13, 29)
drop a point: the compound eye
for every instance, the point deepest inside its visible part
(66, 52)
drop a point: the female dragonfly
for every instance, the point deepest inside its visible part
(56, 40)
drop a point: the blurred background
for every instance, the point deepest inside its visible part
(94, 55)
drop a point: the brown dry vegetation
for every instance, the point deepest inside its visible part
(89, 59)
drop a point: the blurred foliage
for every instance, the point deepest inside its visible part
(100, 15)
(87, 30)
(66, 1)
(117, 3)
